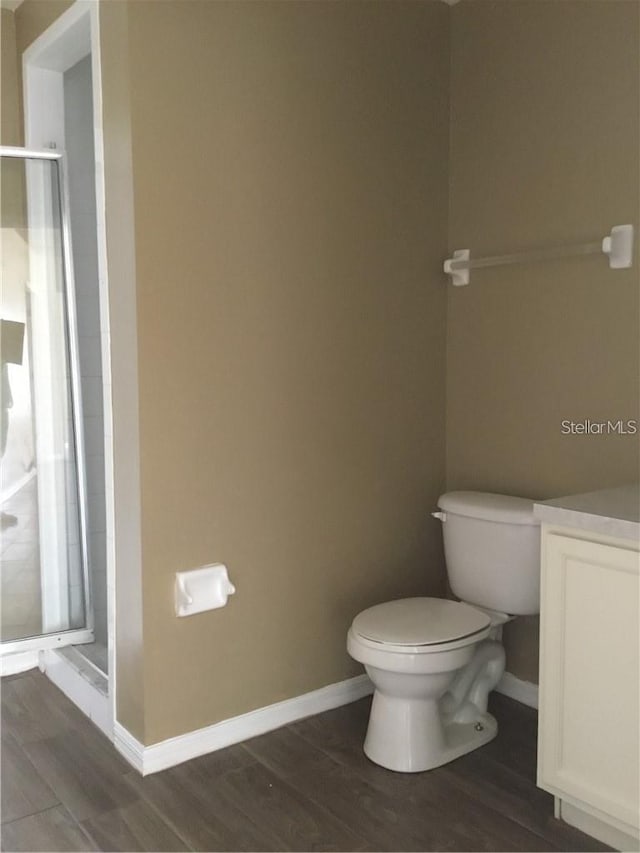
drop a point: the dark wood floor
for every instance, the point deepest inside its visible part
(305, 787)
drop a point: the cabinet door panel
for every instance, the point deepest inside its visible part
(589, 678)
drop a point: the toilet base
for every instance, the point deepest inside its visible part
(409, 736)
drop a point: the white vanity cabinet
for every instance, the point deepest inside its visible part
(589, 694)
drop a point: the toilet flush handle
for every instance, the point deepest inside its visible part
(441, 515)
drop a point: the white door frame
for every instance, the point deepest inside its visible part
(73, 36)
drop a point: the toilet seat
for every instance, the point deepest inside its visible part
(420, 625)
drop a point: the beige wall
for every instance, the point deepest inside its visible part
(9, 114)
(544, 151)
(11, 179)
(291, 337)
(290, 176)
(33, 17)
(290, 164)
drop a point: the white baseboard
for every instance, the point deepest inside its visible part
(167, 753)
(130, 748)
(79, 689)
(18, 662)
(620, 836)
(515, 688)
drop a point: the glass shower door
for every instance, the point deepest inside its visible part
(43, 562)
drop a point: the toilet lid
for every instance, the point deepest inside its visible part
(420, 621)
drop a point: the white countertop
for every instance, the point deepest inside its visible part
(612, 512)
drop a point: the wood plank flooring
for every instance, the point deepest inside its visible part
(307, 786)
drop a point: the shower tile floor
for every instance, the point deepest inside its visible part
(20, 565)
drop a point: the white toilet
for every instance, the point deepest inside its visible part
(433, 662)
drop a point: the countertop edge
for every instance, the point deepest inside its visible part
(618, 528)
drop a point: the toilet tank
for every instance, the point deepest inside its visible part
(492, 550)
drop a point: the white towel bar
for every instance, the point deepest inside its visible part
(618, 245)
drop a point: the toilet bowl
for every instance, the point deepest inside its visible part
(413, 650)
(433, 662)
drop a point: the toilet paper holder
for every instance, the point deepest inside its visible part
(206, 588)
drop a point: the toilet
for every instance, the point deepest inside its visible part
(432, 661)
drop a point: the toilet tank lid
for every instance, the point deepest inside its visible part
(489, 507)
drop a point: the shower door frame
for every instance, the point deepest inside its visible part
(81, 30)
(72, 636)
